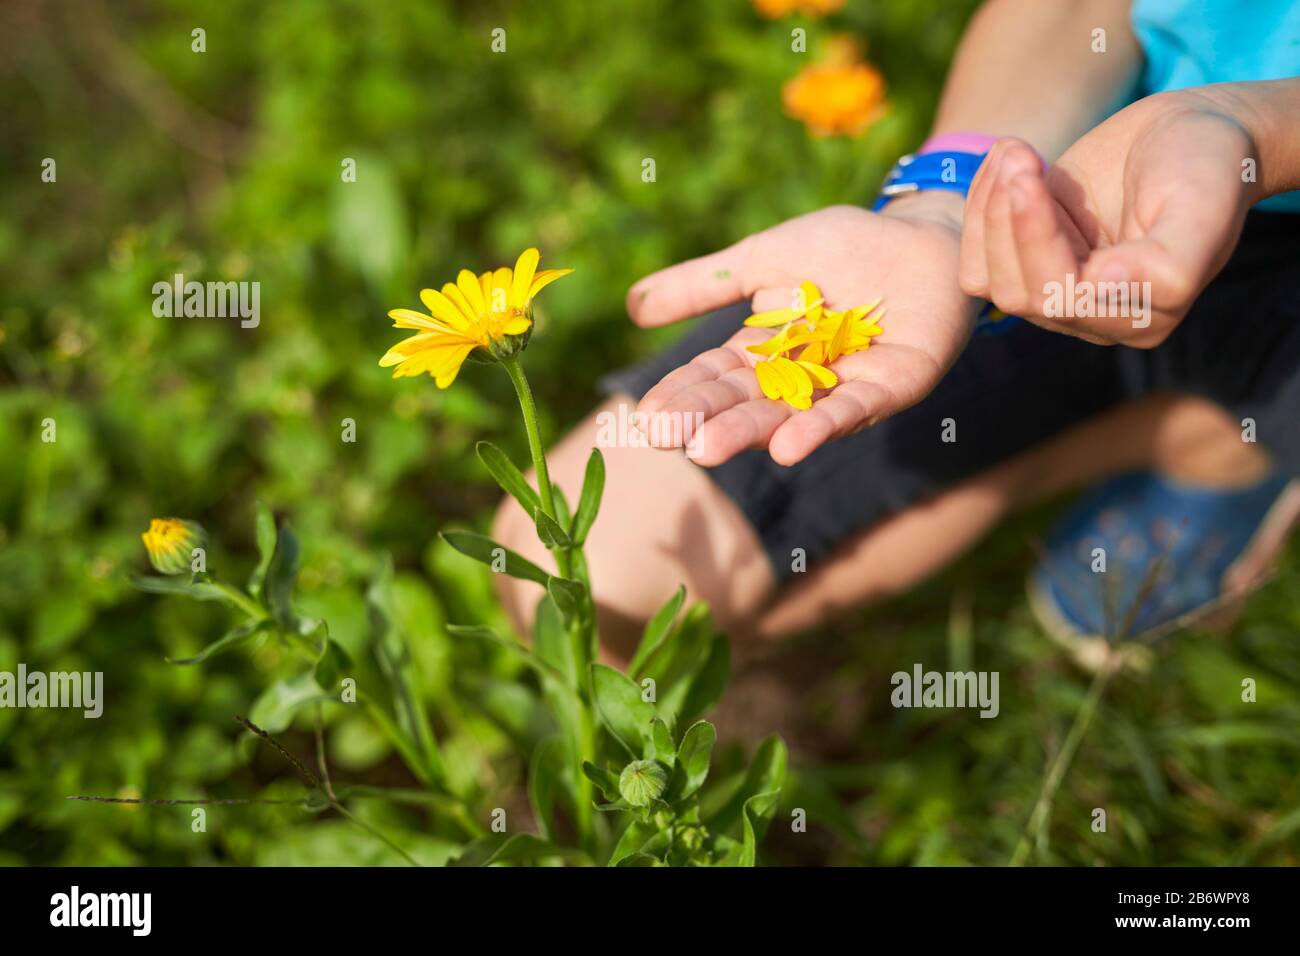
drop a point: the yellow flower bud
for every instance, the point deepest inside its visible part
(171, 543)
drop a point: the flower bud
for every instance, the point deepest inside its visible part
(171, 543)
(642, 782)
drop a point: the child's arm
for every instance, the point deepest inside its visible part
(1025, 68)
(1117, 240)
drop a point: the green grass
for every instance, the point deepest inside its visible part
(226, 165)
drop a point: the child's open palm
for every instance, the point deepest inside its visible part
(907, 257)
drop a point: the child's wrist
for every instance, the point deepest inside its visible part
(939, 206)
(1266, 110)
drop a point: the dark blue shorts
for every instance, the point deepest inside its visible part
(1238, 347)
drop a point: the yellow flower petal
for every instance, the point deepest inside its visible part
(451, 368)
(457, 298)
(410, 319)
(812, 299)
(771, 319)
(545, 278)
(821, 377)
(522, 282)
(446, 310)
(499, 300)
(768, 381)
(472, 289)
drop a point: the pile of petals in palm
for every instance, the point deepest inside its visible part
(819, 335)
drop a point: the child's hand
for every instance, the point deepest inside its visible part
(907, 255)
(1153, 195)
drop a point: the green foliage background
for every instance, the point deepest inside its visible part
(226, 165)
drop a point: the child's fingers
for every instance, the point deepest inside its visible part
(1008, 158)
(847, 408)
(750, 424)
(773, 298)
(1044, 252)
(713, 397)
(705, 367)
(971, 272)
(688, 288)
(1006, 284)
(1179, 255)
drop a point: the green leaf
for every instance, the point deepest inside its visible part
(552, 535)
(757, 814)
(640, 859)
(637, 835)
(198, 590)
(281, 576)
(593, 486)
(765, 774)
(725, 851)
(509, 477)
(229, 641)
(680, 658)
(525, 656)
(331, 667)
(274, 710)
(664, 750)
(606, 781)
(483, 549)
(562, 512)
(515, 848)
(544, 782)
(657, 630)
(624, 713)
(395, 695)
(569, 597)
(552, 641)
(693, 757)
(709, 681)
(265, 532)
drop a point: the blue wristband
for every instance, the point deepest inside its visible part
(952, 172)
(949, 171)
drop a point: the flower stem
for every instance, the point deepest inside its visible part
(529, 408)
(1035, 830)
(240, 600)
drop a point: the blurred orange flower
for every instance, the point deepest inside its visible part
(838, 97)
(776, 9)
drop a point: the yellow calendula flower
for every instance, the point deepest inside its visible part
(489, 315)
(171, 543)
(792, 381)
(840, 96)
(776, 9)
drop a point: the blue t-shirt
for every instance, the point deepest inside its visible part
(1195, 42)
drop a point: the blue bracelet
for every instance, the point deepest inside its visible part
(951, 172)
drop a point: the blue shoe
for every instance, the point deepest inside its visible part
(1140, 555)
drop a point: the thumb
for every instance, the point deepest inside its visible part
(689, 288)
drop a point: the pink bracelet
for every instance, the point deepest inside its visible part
(962, 142)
